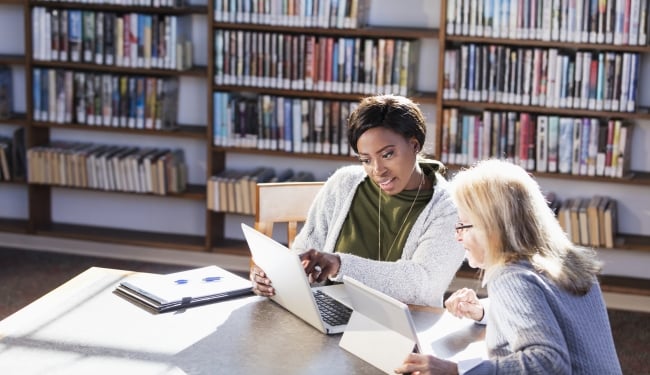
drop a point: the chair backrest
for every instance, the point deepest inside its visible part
(283, 202)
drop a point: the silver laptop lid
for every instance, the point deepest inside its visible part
(292, 288)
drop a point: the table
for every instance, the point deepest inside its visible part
(82, 327)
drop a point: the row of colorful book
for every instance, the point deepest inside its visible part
(12, 156)
(234, 190)
(309, 62)
(139, 3)
(619, 22)
(591, 222)
(76, 97)
(544, 77)
(578, 146)
(133, 40)
(108, 167)
(340, 14)
(270, 122)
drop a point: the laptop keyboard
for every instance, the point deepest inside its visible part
(333, 312)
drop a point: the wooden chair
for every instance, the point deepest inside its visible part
(283, 202)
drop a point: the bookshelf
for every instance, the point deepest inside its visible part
(456, 27)
(42, 202)
(13, 215)
(181, 221)
(219, 154)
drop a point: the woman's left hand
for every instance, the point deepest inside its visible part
(423, 364)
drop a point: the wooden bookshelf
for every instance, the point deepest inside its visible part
(180, 131)
(40, 198)
(456, 39)
(181, 10)
(368, 31)
(196, 71)
(12, 59)
(217, 159)
(122, 236)
(547, 44)
(41, 221)
(639, 114)
(255, 151)
(19, 119)
(13, 225)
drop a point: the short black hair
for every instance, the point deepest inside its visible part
(397, 113)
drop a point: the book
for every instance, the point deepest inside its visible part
(610, 224)
(6, 92)
(5, 158)
(19, 155)
(179, 290)
(592, 218)
(575, 220)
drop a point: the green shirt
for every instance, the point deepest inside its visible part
(359, 234)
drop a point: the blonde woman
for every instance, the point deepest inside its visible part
(546, 313)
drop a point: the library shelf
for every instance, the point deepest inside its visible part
(632, 242)
(292, 93)
(195, 71)
(231, 247)
(642, 113)
(547, 44)
(453, 38)
(418, 96)
(13, 225)
(180, 131)
(255, 151)
(635, 178)
(193, 192)
(189, 9)
(14, 182)
(122, 236)
(19, 119)
(368, 31)
(12, 59)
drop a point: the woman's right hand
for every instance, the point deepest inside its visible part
(261, 283)
(464, 303)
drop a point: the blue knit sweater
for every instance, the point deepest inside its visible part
(535, 327)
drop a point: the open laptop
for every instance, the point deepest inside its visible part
(292, 288)
(381, 320)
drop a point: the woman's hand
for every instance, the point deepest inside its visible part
(464, 303)
(422, 364)
(261, 283)
(319, 265)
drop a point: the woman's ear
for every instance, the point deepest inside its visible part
(416, 146)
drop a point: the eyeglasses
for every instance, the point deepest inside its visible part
(460, 227)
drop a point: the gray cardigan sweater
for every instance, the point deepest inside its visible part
(431, 255)
(534, 327)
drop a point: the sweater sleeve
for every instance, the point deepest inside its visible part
(520, 314)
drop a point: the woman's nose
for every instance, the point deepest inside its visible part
(377, 167)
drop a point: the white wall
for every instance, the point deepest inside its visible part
(177, 215)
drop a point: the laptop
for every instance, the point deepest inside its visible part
(325, 307)
(381, 320)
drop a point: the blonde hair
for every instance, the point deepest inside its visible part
(507, 205)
